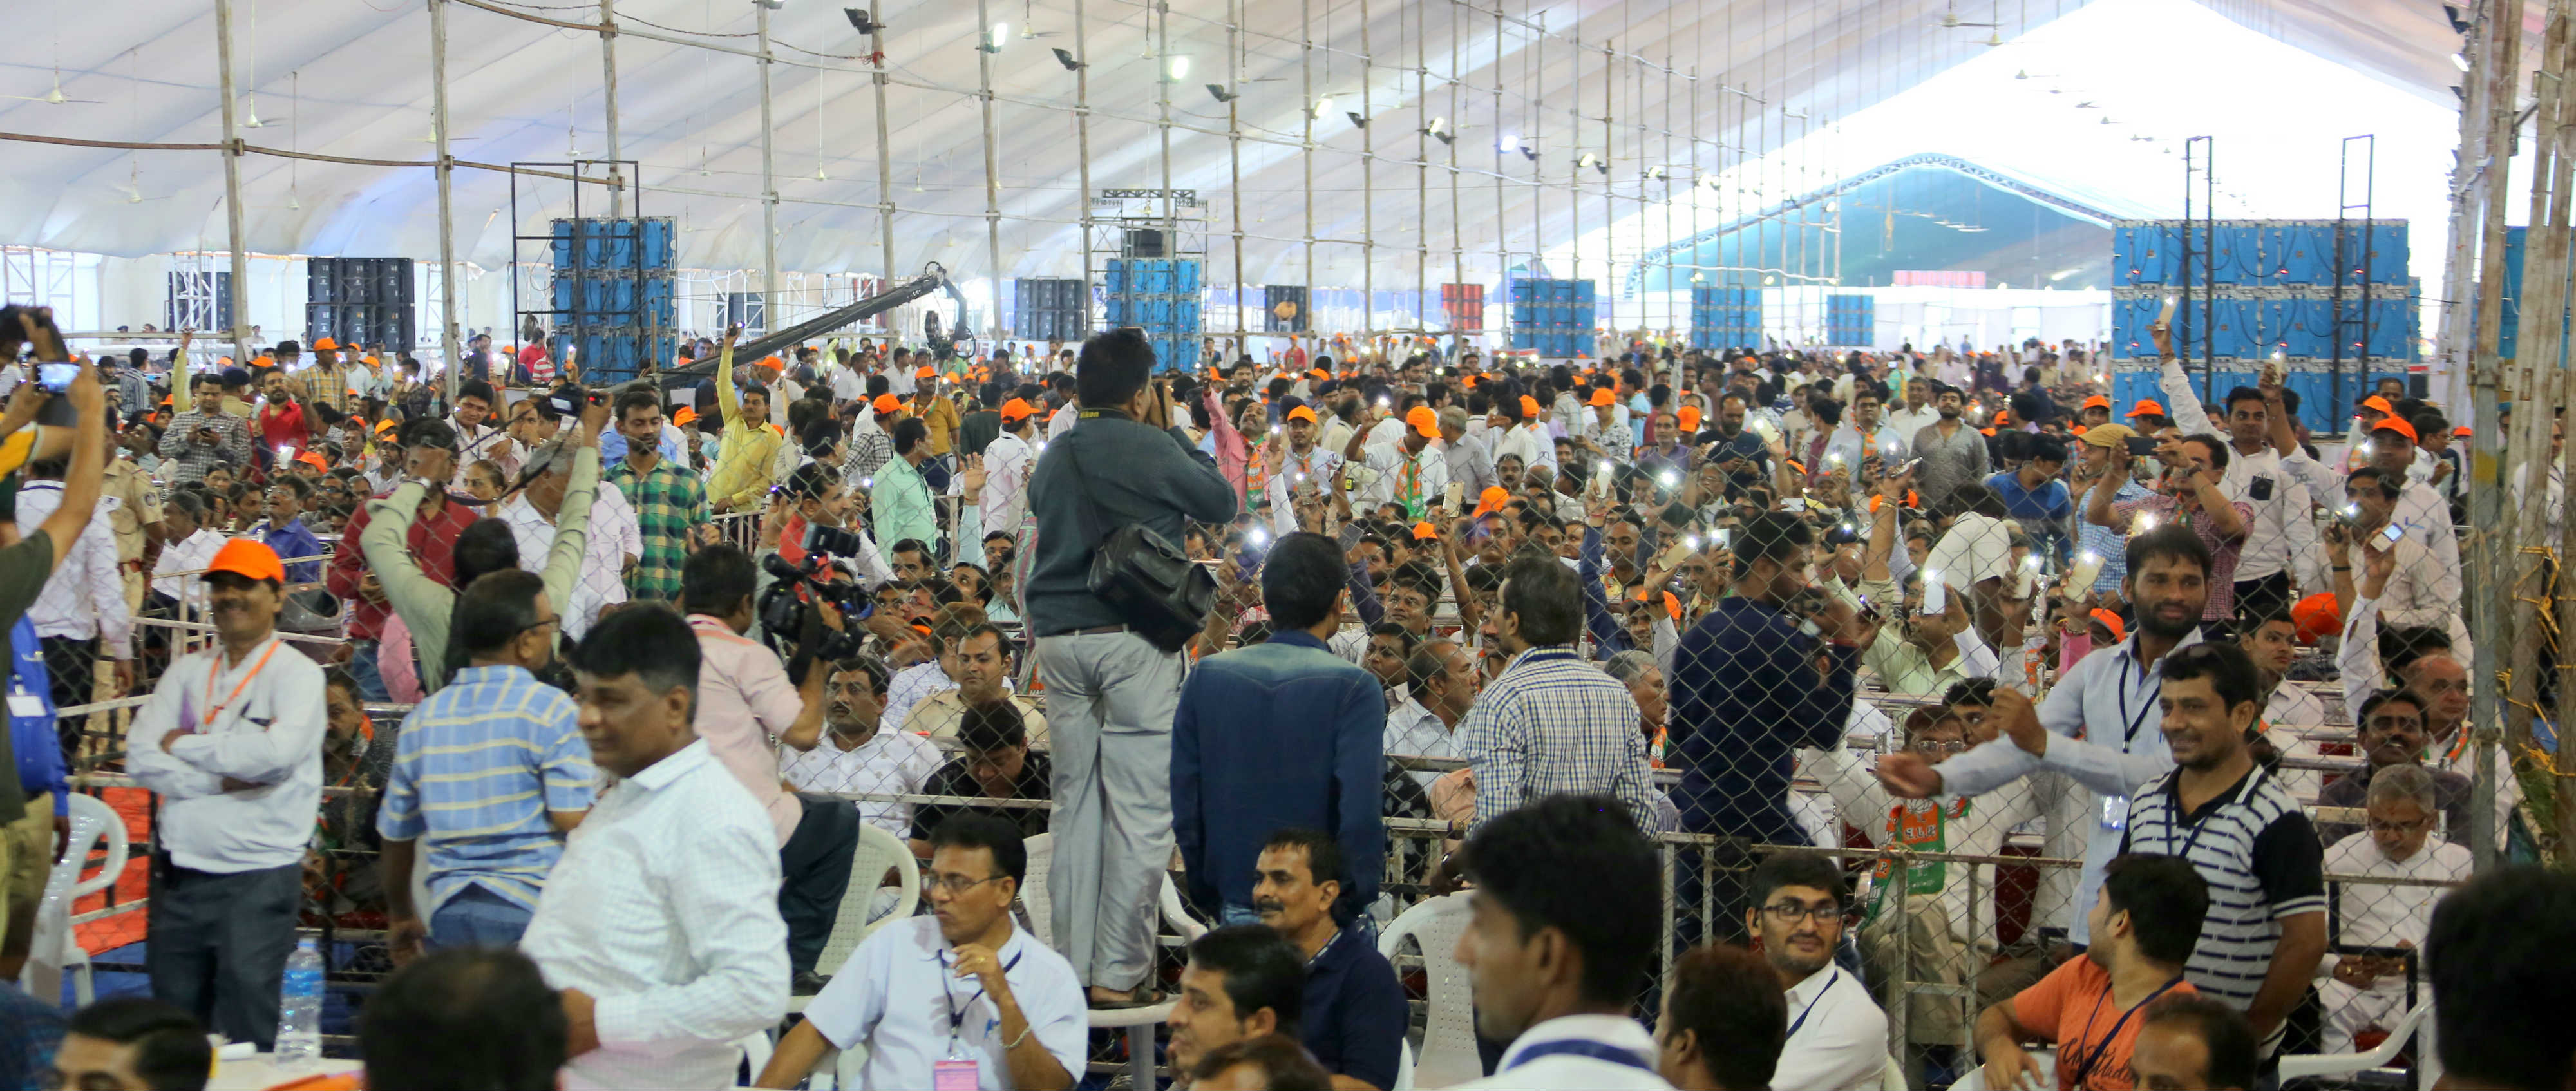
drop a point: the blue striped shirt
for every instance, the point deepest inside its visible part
(1552, 724)
(478, 766)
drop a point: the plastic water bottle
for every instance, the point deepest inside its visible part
(299, 1007)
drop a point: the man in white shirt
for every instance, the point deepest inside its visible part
(660, 924)
(2253, 477)
(530, 514)
(858, 754)
(1554, 965)
(1413, 471)
(183, 517)
(1523, 434)
(1441, 684)
(81, 615)
(2365, 991)
(1918, 412)
(232, 742)
(960, 987)
(1007, 461)
(1304, 467)
(1837, 1034)
(1861, 435)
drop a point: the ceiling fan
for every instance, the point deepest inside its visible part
(55, 96)
(1029, 21)
(1950, 20)
(133, 187)
(431, 137)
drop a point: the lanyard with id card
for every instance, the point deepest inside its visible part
(2115, 809)
(960, 1070)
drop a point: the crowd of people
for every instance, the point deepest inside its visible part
(1307, 639)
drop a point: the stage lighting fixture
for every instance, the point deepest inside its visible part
(1357, 122)
(1221, 94)
(1066, 59)
(860, 22)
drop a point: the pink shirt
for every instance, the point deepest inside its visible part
(744, 698)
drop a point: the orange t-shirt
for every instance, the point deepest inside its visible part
(2072, 1007)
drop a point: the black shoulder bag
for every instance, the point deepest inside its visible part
(1155, 587)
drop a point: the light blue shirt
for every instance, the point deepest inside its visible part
(478, 766)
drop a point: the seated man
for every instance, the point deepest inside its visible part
(1724, 1020)
(132, 1042)
(962, 986)
(979, 661)
(463, 1017)
(859, 752)
(1272, 1062)
(1354, 1012)
(993, 762)
(2194, 1043)
(2144, 926)
(1837, 1034)
(1242, 981)
(2362, 992)
(2392, 736)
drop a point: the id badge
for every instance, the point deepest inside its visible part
(2115, 812)
(26, 704)
(952, 1075)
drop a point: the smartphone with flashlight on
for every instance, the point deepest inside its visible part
(1935, 594)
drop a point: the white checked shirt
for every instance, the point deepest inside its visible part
(1007, 461)
(270, 735)
(1317, 466)
(600, 583)
(1415, 731)
(664, 909)
(1553, 724)
(85, 597)
(889, 763)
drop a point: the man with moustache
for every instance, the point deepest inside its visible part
(1353, 1018)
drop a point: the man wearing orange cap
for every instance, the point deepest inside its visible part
(2420, 509)
(2095, 412)
(1302, 468)
(1519, 430)
(1603, 433)
(1007, 461)
(1411, 472)
(931, 403)
(2148, 416)
(232, 742)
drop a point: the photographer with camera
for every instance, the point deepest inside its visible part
(745, 699)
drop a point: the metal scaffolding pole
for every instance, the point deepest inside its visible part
(2455, 332)
(2494, 559)
(1457, 238)
(608, 112)
(1234, 162)
(447, 330)
(1573, 159)
(992, 163)
(771, 317)
(1306, 153)
(240, 292)
(1163, 99)
(885, 157)
(1502, 243)
(1081, 141)
(1368, 190)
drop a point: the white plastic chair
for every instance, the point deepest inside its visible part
(878, 852)
(1892, 1078)
(1403, 1066)
(1974, 1079)
(1139, 1023)
(1033, 890)
(2420, 1019)
(53, 948)
(1449, 1026)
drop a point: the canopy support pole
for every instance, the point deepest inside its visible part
(240, 289)
(608, 111)
(447, 328)
(2495, 556)
(770, 316)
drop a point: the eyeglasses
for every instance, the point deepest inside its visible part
(1792, 912)
(536, 625)
(1937, 746)
(2381, 825)
(956, 884)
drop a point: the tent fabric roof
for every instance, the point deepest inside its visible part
(523, 91)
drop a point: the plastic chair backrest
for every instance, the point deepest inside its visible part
(1178, 915)
(1033, 890)
(2335, 1064)
(1892, 1078)
(1449, 1023)
(878, 853)
(92, 820)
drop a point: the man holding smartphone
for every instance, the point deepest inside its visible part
(2253, 477)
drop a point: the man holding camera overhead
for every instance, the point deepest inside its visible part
(745, 699)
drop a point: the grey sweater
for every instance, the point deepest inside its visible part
(1133, 474)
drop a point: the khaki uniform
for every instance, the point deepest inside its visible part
(138, 504)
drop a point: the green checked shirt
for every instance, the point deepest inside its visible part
(669, 501)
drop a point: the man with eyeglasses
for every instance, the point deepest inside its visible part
(993, 762)
(2362, 992)
(2392, 737)
(857, 753)
(1837, 1034)
(490, 776)
(961, 994)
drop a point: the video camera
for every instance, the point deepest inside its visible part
(784, 613)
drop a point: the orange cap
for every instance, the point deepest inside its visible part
(1688, 418)
(685, 415)
(1492, 499)
(1424, 530)
(1603, 396)
(2317, 616)
(2392, 424)
(2119, 629)
(1302, 413)
(1424, 421)
(247, 557)
(1529, 407)
(2379, 403)
(2098, 401)
(313, 459)
(2146, 407)
(2461, 431)
(926, 373)
(326, 345)
(887, 403)
(1318, 374)
(1016, 408)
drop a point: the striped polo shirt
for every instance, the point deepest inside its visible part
(477, 767)
(2262, 861)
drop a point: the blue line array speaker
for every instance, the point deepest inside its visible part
(1851, 320)
(1554, 318)
(1159, 296)
(2257, 253)
(1725, 318)
(615, 304)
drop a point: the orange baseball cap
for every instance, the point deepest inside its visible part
(1491, 500)
(1688, 418)
(1318, 373)
(2147, 407)
(926, 373)
(1603, 396)
(1016, 408)
(2098, 401)
(2392, 424)
(1424, 421)
(2317, 616)
(247, 557)
(888, 403)
(1302, 413)
(326, 345)
(686, 415)
(313, 459)
(2462, 431)
(2379, 403)
(1424, 530)
(2119, 630)
(1529, 407)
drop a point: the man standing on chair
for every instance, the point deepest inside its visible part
(963, 989)
(232, 741)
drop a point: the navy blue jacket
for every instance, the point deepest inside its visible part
(1283, 733)
(1746, 695)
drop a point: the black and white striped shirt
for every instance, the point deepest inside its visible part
(2262, 861)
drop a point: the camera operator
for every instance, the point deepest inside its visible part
(745, 699)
